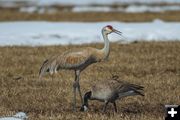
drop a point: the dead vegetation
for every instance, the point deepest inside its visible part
(13, 15)
(154, 65)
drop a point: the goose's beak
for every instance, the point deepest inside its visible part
(117, 32)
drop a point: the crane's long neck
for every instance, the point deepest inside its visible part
(105, 49)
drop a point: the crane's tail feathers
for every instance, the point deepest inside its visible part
(44, 68)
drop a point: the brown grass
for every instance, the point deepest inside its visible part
(13, 14)
(155, 65)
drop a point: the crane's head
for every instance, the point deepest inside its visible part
(109, 29)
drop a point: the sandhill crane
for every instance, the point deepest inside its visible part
(78, 60)
(109, 91)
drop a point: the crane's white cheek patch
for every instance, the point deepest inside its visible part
(108, 29)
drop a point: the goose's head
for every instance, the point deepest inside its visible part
(87, 96)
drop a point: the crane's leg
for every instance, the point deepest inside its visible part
(105, 106)
(78, 86)
(52, 77)
(74, 91)
(115, 108)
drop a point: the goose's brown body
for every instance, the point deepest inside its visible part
(110, 90)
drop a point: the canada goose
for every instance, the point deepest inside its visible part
(109, 91)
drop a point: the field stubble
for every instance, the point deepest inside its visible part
(15, 15)
(154, 65)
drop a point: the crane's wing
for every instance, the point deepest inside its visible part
(74, 60)
(67, 60)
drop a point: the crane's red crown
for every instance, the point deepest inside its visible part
(109, 26)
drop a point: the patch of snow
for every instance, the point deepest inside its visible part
(18, 116)
(30, 9)
(40, 33)
(129, 9)
(145, 8)
(40, 10)
(89, 2)
(11, 3)
(91, 9)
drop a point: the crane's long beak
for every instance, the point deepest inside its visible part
(116, 31)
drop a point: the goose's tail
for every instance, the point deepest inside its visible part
(131, 90)
(138, 90)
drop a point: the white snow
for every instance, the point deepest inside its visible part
(18, 116)
(129, 9)
(39, 33)
(44, 6)
(92, 9)
(36, 9)
(89, 2)
(145, 8)
(30, 9)
(10, 3)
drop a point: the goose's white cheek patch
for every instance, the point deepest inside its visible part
(85, 108)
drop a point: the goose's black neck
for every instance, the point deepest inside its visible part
(86, 97)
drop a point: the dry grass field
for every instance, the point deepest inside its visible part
(14, 15)
(155, 65)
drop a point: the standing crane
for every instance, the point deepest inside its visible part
(78, 60)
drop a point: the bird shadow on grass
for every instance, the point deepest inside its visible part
(130, 109)
(136, 108)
